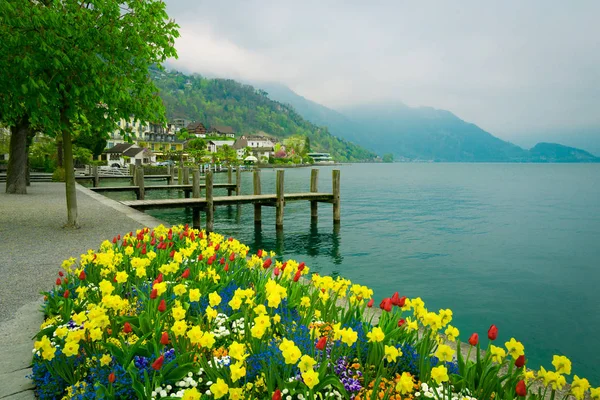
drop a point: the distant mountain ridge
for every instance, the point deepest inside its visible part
(420, 134)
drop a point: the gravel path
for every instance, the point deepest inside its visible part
(33, 245)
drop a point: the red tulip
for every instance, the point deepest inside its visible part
(209, 261)
(159, 278)
(144, 251)
(222, 261)
(520, 361)
(301, 266)
(474, 339)
(492, 332)
(321, 343)
(297, 276)
(259, 253)
(164, 339)
(192, 237)
(386, 304)
(127, 327)
(153, 294)
(521, 388)
(395, 299)
(157, 364)
(170, 234)
(283, 266)
(401, 322)
(66, 280)
(111, 377)
(66, 294)
(276, 395)
(370, 303)
(200, 257)
(226, 269)
(276, 271)
(60, 273)
(186, 273)
(232, 257)
(267, 263)
(58, 281)
(162, 306)
(218, 246)
(172, 253)
(115, 240)
(153, 241)
(402, 301)
(82, 276)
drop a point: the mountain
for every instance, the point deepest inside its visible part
(552, 152)
(247, 110)
(422, 133)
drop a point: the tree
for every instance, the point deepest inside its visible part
(196, 148)
(388, 158)
(67, 63)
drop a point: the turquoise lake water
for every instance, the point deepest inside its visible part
(516, 245)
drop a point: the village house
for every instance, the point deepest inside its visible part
(124, 154)
(222, 131)
(214, 145)
(260, 146)
(197, 129)
(159, 138)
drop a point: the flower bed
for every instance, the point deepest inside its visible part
(174, 313)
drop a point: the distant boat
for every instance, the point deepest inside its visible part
(321, 158)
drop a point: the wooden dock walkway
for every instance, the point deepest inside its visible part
(187, 189)
(277, 200)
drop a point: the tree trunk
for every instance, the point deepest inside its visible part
(59, 152)
(16, 174)
(69, 180)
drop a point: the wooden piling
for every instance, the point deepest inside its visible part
(238, 181)
(139, 173)
(196, 194)
(280, 203)
(195, 183)
(229, 179)
(179, 175)
(186, 175)
(132, 173)
(210, 210)
(96, 176)
(314, 208)
(172, 173)
(335, 175)
(257, 190)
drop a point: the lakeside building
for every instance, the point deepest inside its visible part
(159, 138)
(197, 129)
(124, 154)
(260, 146)
(321, 158)
(214, 145)
(221, 131)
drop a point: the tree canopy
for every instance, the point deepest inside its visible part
(70, 62)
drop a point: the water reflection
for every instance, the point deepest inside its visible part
(314, 243)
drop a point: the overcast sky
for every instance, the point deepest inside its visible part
(512, 67)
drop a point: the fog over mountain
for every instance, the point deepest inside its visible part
(514, 68)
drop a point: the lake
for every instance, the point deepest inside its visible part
(515, 245)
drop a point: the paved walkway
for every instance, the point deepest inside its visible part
(33, 245)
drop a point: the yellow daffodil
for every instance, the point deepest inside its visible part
(376, 335)
(595, 393)
(71, 349)
(579, 386)
(306, 363)
(214, 299)
(405, 384)
(515, 349)
(238, 351)
(310, 378)
(452, 333)
(179, 328)
(191, 394)
(236, 393)
(194, 295)
(179, 289)
(392, 353)
(238, 371)
(195, 335)
(444, 353)
(497, 354)
(562, 364)
(219, 389)
(439, 374)
(208, 340)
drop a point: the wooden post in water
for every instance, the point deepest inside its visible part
(336, 195)
(196, 195)
(132, 173)
(238, 181)
(210, 210)
(139, 173)
(229, 180)
(179, 175)
(314, 179)
(96, 176)
(257, 207)
(280, 203)
(172, 173)
(186, 175)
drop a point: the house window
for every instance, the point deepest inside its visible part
(111, 144)
(173, 147)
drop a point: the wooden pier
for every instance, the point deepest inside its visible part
(277, 200)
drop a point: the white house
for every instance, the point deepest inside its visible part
(124, 154)
(214, 145)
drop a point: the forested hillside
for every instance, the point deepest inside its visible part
(247, 110)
